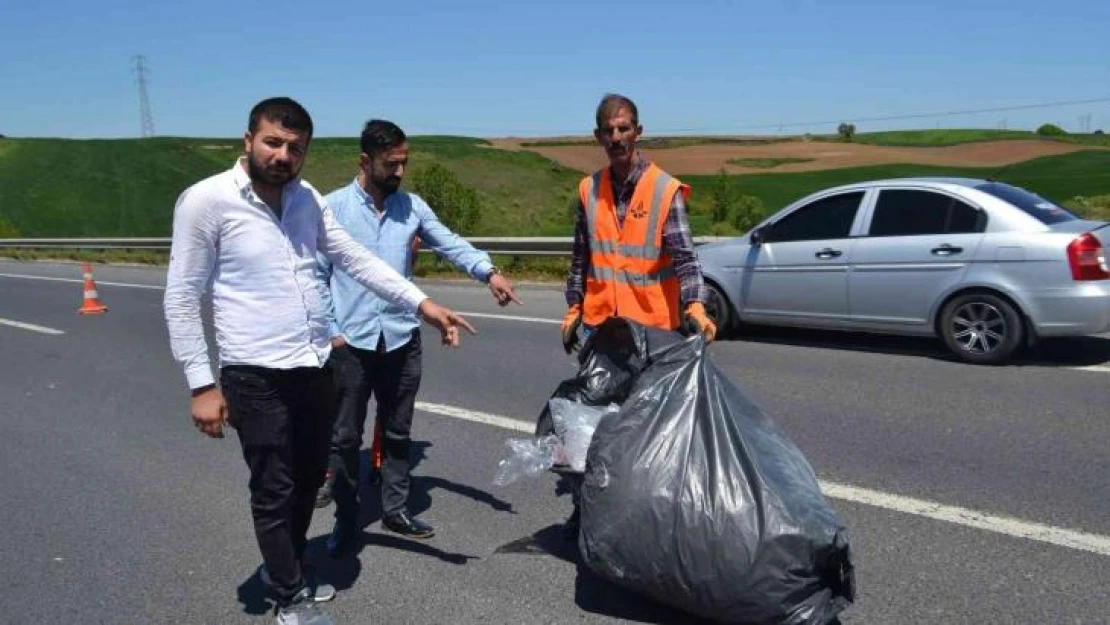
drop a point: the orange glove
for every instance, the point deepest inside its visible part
(698, 321)
(569, 328)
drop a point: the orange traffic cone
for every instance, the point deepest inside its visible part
(92, 305)
(376, 449)
(376, 456)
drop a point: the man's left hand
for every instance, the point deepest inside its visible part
(445, 320)
(698, 321)
(502, 290)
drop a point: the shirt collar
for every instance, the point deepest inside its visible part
(634, 175)
(367, 199)
(361, 193)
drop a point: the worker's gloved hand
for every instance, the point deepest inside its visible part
(697, 321)
(571, 323)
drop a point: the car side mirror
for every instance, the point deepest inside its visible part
(758, 236)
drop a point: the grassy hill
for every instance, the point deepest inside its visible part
(57, 187)
(51, 187)
(70, 188)
(942, 137)
(1063, 177)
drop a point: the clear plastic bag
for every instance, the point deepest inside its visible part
(575, 423)
(527, 457)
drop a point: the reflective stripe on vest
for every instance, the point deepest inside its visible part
(632, 277)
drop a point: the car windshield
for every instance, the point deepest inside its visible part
(1045, 211)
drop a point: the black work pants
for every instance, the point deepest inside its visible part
(283, 418)
(392, 379)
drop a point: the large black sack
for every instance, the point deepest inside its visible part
(693, 496)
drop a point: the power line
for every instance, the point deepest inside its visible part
(886, 118)
(780, 126)
(146, 117)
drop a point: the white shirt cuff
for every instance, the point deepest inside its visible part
(199, 375)
(413, 296)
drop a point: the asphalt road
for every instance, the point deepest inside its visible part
(972, 494)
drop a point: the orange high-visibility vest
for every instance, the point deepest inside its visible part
(629, 275)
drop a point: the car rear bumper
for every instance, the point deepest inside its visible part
(1079, 309)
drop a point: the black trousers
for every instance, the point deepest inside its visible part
(392, 379)
(283, 418)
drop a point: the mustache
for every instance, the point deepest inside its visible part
(258, 172)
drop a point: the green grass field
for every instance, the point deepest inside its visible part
(766, 163)
(70, 188)
(57, 188)
(943, 137)
(1061, 178)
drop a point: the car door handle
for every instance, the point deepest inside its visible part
(947, 250)
(828, 252)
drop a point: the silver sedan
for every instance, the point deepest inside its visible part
(985, 266)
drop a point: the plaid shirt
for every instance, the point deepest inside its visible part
(678, 243)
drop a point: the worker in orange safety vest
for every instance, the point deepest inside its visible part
(634, 252)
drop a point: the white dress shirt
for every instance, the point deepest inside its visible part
(266, 300)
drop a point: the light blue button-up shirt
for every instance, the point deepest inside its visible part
(353, 311)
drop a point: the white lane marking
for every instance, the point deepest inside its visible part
(1009, 526)
(155, 287)
(29, 326)
(475, 416)
(1071, 539)
(479, 315)
(159, 287)
(1097, 368)
(510, 317)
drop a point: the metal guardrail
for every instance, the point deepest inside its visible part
(88, 244)
(509, 246)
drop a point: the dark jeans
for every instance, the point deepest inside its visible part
(283, 418)
(393, 379)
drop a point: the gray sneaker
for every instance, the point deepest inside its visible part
(321, 592)
(303, 611)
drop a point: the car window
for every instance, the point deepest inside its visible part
(908, 212)
(964, 218)
(1044, 210)
(827, 218)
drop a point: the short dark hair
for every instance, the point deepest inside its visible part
(613, 102)
(285, 111)
(380, 135)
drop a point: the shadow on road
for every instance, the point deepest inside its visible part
(1083, 351)
(591, 592)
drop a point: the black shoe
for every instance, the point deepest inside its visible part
(573, 525)
(344, 540)
(324, 495)
(406, 525)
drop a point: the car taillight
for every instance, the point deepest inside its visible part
(1087, 258)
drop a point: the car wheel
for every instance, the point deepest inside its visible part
(718, 309)
(981, 328)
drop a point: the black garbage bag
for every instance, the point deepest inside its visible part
(696, 498)
(609, 363)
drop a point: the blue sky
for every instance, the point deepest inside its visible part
(502, 68)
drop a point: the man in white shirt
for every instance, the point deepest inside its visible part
(251, 235)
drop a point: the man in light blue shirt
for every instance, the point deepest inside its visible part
(377, 344)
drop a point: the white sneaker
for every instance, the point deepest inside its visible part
(303, 611)
(321, 592)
